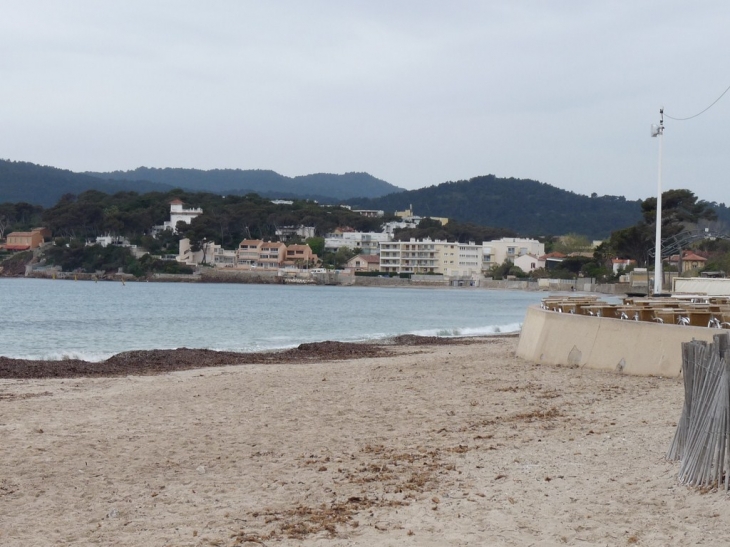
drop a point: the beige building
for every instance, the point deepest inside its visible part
(364, 263)
(508, 248)
(690, 261)
(23, 241)
(272, 255)
(412, 256)
(250, 254)
(427, 256)
(459, 259)
(224, 258)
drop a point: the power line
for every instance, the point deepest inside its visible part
(705, 110)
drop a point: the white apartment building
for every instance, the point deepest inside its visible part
(224, 258)
(367, 241)
(186, 255)
(509, 248)
(285, 233)
(412, 256)
(370, 213)
(392, 226)
(426, 256)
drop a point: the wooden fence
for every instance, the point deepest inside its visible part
(701, 442)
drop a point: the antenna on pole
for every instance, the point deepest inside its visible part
(658, 131)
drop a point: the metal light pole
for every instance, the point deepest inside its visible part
(658, 131)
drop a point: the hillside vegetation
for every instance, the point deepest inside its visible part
(44, 185)
(520, 206)
(41, 185)
(319, 186)
(526, 206)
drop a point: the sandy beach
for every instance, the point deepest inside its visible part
(418, 445)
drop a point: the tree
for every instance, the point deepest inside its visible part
(317, 245)
(501, 271)
(679, 207)
(342, 255)
(574, 264)
(572, 243)
(633, 243)
(4, 223)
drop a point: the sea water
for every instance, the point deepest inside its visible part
(55, 319)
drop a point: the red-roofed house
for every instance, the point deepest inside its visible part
(690, 261)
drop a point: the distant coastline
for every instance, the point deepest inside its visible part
(271, 278)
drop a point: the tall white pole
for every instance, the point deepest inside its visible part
(658, 274)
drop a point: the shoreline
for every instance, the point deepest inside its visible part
(152, 362)
(246, 277)
(432, 445)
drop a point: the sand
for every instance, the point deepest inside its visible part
(431, 446)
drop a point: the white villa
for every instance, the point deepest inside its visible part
(529, 263)
(179, 214)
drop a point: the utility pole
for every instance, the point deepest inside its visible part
(658, 131)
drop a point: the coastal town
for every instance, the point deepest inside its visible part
(371, 255)
(364, 274)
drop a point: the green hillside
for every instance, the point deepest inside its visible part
(320, 186)
(42, 185)
(525, 206)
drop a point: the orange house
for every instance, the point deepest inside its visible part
(300, 255)
(23, 241)
(248, 252)
(254, 253)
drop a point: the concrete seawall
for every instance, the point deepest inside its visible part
(629, 347)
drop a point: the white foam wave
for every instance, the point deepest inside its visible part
(66, 356)
(470, 331)
(282, 343)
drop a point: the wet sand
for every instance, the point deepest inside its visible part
(409, 444)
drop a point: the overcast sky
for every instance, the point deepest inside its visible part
(413, 92)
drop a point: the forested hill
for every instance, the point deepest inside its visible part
(321, 186)
(41, 185)
(526, 206)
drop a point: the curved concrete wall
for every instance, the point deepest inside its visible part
(630, 347)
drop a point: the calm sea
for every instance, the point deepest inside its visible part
(53, 319)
